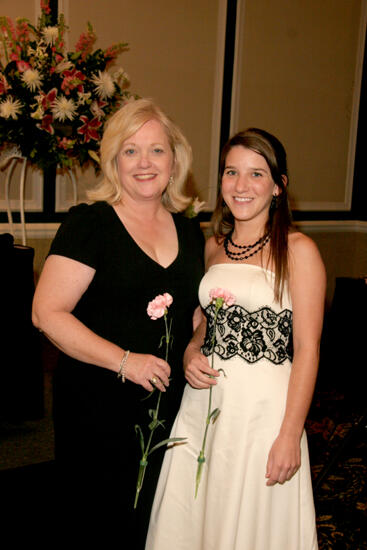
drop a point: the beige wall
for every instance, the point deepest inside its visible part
(297, 77)
(172, 57)
(20, 8)
(344, 251)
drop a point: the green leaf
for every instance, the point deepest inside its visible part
(141, 436)
(74, 56)
(153, 425)
(149, 395)
(165, 442)
(214, 415)
(201, 460)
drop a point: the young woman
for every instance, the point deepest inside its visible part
(255, 490)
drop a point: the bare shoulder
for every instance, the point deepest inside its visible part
(304, 256)
(301, 247)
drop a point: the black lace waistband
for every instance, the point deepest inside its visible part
(250, 335)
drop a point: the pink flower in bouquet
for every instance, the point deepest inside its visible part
(65, 143)
(22, 66)
(158, 307)
(225, 295)
(86, 42)
(45, 7)
(72, 79)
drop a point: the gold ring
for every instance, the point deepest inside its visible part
(154, 380)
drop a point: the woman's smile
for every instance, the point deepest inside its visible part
(247, 185)
(145, 158)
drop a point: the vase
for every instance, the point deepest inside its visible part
(48, 174)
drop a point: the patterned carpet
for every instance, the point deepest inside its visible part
(336, 430)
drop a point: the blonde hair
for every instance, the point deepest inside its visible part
(123, 124)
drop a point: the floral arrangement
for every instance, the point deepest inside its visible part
(53, 104)
(156, 309)
(221, 299)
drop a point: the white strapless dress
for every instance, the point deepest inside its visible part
(235, 509)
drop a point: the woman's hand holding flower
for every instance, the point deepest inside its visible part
(198, 372)
(141, 368)
(156, 309)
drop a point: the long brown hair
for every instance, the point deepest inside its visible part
(280, 218)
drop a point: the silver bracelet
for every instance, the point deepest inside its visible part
(121, 373)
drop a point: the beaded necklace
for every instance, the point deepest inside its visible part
(246, 250)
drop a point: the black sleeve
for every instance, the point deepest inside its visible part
(78, 236)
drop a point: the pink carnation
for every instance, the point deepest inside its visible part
(158, 307)
(65, 143)
(228, 298)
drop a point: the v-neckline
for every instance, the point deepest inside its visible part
(174, 218)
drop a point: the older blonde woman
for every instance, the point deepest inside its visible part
(108, 260)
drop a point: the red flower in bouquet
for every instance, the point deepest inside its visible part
(89, 129)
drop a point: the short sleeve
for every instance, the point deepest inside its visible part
(78, 237)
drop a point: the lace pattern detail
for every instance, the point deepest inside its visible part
(251, 335)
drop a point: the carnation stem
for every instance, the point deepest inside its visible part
(201, 457)
(142, 466)
(152, 426)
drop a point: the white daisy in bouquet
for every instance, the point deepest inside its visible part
(53, 103)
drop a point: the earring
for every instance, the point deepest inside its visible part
(274, 202)
(171, 181)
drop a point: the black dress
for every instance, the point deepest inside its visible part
(97, 449)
